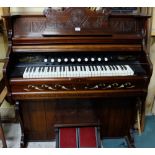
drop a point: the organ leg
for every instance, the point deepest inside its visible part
(17, 111)
(130, 139)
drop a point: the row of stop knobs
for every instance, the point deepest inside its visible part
(76, 60)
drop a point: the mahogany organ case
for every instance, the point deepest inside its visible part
(77, 67)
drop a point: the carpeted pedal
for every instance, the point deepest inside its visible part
(67, 138)
(82, 137)
(87, 137)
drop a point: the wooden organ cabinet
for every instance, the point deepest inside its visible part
(77, 67)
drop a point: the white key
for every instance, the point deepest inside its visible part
(67, 72)
(45, 72)
(78, 71)
(82, 71)
(42, 72)
(99, 71)
(130, 71)
(56, 72)
(25, 72)
(125, 70)
(50, 72)
(88, 73)
(108, 73)
(36, 73)
(102, 71)
(63, 72)
(28, 73)
(74, 71)
(92, 71)
(120, 71)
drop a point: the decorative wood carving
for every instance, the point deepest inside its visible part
(75, 19)
(60, 87)
(124, 26)
(33, 25)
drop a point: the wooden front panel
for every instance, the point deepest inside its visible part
(51, 112)
(33, 115)
(76, 87)
(116, 116)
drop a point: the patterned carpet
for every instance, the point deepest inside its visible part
(145, 140)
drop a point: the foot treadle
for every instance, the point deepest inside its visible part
(79, 137)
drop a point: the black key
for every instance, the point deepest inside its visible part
(76, 68)
(72, 68)
(26, 70)
(125, 67)
(39, 69)
(48, 69)
(102, 68)
(84, 68)
(34, 69)
(116, 68)
(122, 67)
(110, 67)
(96, 68)
(89, 68)
(93, 68)
(30, 69)
(113, 67)
(105, 68)
(81, 68)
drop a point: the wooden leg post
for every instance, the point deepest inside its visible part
(22, 142)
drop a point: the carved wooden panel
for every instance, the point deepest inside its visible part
(63, 87)
(26, 26)
(75, 19)
(120, 25)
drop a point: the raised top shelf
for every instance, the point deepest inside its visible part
(77, 23)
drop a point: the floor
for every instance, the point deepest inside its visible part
(145, 140)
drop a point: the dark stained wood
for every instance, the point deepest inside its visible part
(78, 48)
(3, 93)
(110, 114)
(110, 102)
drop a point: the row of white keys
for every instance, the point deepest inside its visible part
(77, 71)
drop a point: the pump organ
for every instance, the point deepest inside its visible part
(77, 66)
